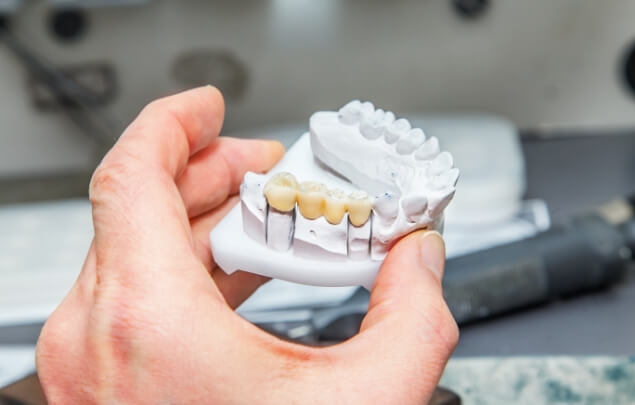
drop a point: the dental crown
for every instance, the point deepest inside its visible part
(371, 180)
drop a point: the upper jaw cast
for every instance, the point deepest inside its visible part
(411, 179)
(385, 155)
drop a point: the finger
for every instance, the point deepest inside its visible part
(414, 267)
(138, 214)
(216, 172)
(408, 330)
(235, 287)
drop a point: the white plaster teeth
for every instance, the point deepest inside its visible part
(445, 179)
(439, 200)
(397, 129)
(367, 109)
(428, 150)
(414, 206)
(355, 111)
(443, 162)
(412, 141)
(372, 126)
(386, 206)
(389, 117)
(351, 113)
(412, 180)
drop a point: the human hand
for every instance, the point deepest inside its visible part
(150, 318)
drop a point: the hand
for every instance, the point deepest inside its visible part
(150, 319)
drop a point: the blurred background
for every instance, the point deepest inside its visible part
(536, 100)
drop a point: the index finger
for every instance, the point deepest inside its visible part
(138, 213)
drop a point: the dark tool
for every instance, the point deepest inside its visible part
(586, 253)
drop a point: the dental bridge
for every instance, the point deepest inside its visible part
(342, 195)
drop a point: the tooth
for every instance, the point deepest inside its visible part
(414, 206)
(311, 196)
(336, 204)
(446, 179)
(396, 130)
(279, 229)
(389, 117)
(359, 208)
(351, 113)
(439, 200)
(443, 162)
(407, 145)
(358, 240)
(428, 150)
(367, 109)
(372, 126)
(386, 206)
(281, 191)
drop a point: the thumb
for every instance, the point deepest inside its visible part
(408, 333)
(412, 270)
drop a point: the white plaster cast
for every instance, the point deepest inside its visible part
(331, 238)
(357, 148)
(401, 163)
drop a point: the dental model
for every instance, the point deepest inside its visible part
(362, 179)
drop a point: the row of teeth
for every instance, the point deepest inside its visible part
(314, 200)
(290, 204)
(292, 207)
(377, 123)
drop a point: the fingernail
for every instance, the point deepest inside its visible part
(433, 252)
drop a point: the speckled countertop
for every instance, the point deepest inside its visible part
(542, 380)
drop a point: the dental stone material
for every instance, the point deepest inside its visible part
(328, 213)
(358, 242)
(428, 150)
(280, 229)
(253, 206)
(317, 237)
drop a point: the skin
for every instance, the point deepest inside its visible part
(150, 319)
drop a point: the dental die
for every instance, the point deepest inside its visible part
(330, 210)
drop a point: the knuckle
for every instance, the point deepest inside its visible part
(112, 177)
(54, 359)
(438, 320)
(449, 332)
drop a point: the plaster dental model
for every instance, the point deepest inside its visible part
(341, 196)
